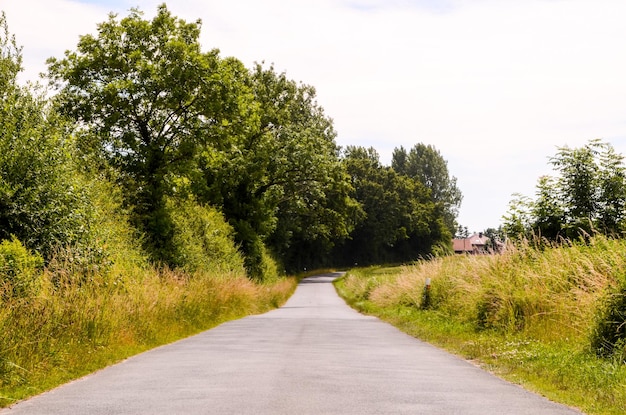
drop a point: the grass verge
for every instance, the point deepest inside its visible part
(68, 331)
(540, 343)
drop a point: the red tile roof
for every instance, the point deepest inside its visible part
(474, 242)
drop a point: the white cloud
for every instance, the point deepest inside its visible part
(496, 86)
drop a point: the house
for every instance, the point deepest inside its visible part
(474, 244)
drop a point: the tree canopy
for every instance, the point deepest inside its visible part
(146, 98)
(401, 220)
(426, 164)
(188, 136)
(274, 178)
(587, 195)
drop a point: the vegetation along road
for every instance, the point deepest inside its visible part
(314, 355)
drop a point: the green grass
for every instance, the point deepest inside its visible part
(528, 316)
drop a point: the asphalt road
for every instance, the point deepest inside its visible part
(315, 355)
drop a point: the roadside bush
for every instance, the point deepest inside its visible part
(20, 270)
(608, 338)
(269, 266)
(42, 201)
(111, 248)
(202, 239)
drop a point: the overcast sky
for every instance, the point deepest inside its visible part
(495, 85)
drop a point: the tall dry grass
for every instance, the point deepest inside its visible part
(71, 329)
(550, 292)
(552, 319)
(101, 299)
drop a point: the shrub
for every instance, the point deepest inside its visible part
(20, 270)
(608, 338)
(42, 201)
(270, 266)
(202, 239)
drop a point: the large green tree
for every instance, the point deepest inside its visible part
(518, 221)
(612, 190)
(274, 178)
(426, 164)
(147, 98)
(547, 210)
(401, 221)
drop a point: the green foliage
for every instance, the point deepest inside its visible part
(150, 100)
(10, 59)
(111, 229)
(253, 143)
(588, 195)
(269, 267)
(577, 183)
(178, 123)
(42, 202)
(547, 210)
(426, 164)
(171, 124)
(278, 180)
(608, 336)
(202, 240)
(401, 222)
(518, 220)
(20, 270)
(324, 217)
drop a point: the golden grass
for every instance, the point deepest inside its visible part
(69, 330)
(519, 289)
(527, 314)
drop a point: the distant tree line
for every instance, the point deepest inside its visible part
(139, 104)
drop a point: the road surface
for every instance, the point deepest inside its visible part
(315, 355)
